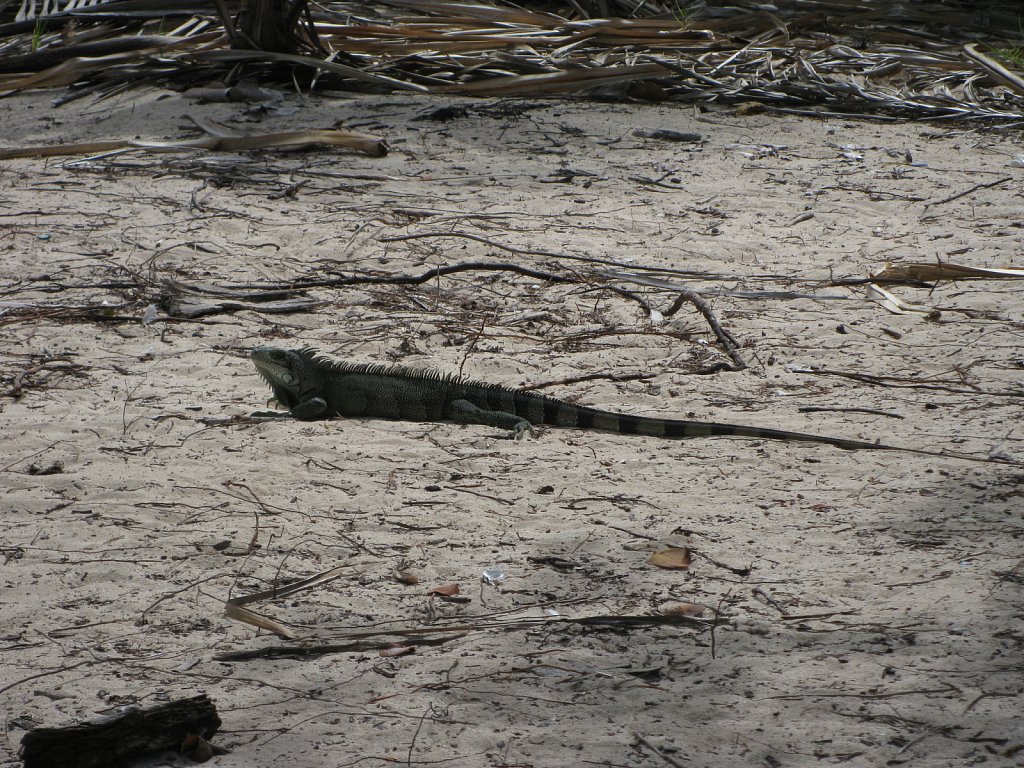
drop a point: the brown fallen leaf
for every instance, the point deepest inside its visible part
(196, 748)
(677, 558)
(445, 590)
(684, 609)
(397, 650)
(947, 271)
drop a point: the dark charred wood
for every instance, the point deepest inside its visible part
(124, 736)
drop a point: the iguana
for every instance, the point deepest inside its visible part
(313, 386)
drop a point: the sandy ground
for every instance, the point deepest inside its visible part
(867, 607)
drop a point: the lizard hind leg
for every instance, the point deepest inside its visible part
(464, 412)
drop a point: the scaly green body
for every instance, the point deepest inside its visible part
(315, 387)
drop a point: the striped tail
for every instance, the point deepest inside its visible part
(557, 413)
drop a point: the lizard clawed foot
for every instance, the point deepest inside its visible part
(521, 429)
(270, 415)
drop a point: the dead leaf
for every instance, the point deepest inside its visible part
(677, 558)
(445, 590)
(940, 271)
(684, 609)
(397, 650)
(895, 305)
(198, 749)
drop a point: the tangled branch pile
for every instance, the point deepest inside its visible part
(948, 59)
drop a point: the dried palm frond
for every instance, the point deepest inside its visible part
(915, 58)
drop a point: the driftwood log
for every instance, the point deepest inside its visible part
(182, 726)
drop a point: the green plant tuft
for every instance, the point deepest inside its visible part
(1013, 55)
(37, 35)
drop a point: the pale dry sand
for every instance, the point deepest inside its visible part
(881, 621)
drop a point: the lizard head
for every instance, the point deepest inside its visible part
(282, 370)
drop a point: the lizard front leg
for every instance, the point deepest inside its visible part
(313, 408)
(307, 410)
(464, 412)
